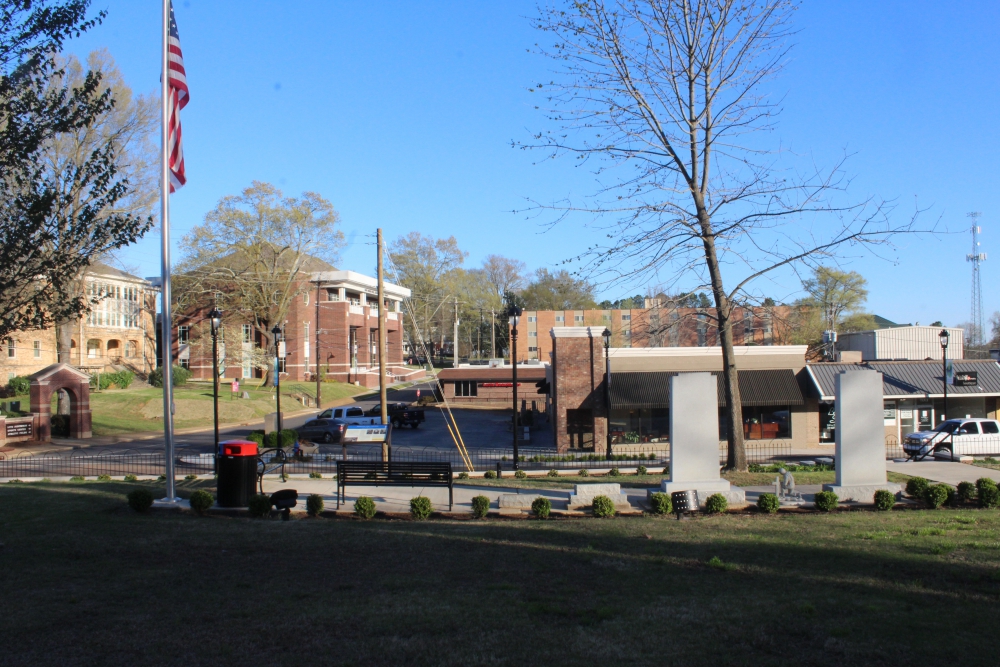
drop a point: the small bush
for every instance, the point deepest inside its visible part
(489, 474)
(76, 478)
(364, 507)
(553, 473)
(480, 507)
(937, 495)
(260, 505)
(660, 503)
(315, 475)
(131, 478)
(520, 474)
(104, 478)
(140, 500)
(180, 376)
(288, 438)
(988, 497)
(463, 475)
(201, 500)
(542, 507)
(161, 478)
(15, 481)
(584, 472)
(755, 467)
(614, 472)
(641, 470)
(420, 507)
(768, 503)
(602, 507)
(916, 487)
(826, 501)
(59, 426)
(256, 436)
(120, 379)
(19, 385)
(966, 492)
(884, 500)
(314, 504)
(190, 477)
(716, 504)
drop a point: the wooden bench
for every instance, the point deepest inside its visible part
(277, 460)
(393, 473)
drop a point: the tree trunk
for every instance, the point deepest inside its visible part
(64, 348)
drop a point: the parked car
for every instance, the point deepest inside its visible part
(400, 414)
(350, 415)
(957, 436)
(322, 430)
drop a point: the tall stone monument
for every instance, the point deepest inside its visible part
(860, 438)
(694, 440)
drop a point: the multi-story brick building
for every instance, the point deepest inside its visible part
(118, 332)
(659, 324)
(340, 306)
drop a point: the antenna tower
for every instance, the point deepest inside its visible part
(977, 258)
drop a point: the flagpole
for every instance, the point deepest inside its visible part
(165, 297)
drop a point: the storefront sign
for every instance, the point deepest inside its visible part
(19, 430)
(966, 378)
(889, 413)
(906, 414)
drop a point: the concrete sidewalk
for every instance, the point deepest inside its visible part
(947, 472)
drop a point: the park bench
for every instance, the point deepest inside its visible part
(393, 473)
(269, 461)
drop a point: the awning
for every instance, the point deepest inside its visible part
(906, 379)
(764, 388)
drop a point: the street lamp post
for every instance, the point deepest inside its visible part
(944, 336)
(276, 332)
(215, 317)
(515, 316)
(607, 388)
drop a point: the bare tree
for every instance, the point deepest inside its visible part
(670, 93)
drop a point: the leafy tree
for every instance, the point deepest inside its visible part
(835, 293)
(558, 291)
(43, 249)
(258, 250)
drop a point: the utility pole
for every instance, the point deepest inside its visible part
(493, 334)
(319, 379)
(479, 346)
(382, 348)
(455, 351)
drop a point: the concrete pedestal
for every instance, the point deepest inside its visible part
(735, 496)
(583, 495)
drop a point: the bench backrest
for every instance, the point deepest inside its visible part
(392, 471)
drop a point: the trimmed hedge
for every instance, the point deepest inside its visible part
(987, 493)
(542, 507)
(260, 506)
(314, 504)
(480, 507)
(140, 500)
(420, 507)
(200, 501)
(180, 376)
(884, 500)
(520, 474)
(916, 487)
(716, 504)
(364, 507)
(660, 503)
(826, 501)
(966, 492)
(641, 470)
(489, 474)
(937, 495)
(768, 503)
(602, 507)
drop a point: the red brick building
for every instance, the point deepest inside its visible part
(485, 386)
(340, 306)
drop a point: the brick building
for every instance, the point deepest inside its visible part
(493, 386)
(340, 306)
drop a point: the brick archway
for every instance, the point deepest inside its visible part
(54, 378)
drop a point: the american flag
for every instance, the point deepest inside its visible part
(177, 99)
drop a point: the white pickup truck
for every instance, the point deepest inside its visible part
(350, 415)
(956, 436)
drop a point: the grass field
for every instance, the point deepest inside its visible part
(120, 411)
(738, 479)
(87, 581)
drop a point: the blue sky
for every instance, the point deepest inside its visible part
(402, 115)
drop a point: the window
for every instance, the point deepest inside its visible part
(991, 427)
(606, 317)
(971, 428)
(355, 412)
(560, 318)
(93, 348)
(466, 388)
(532, 334)
(305, 298)
(626, 318)
(532, 318)
(11, 348)
(247, 368)
(247, 334)
(185, 363)
(183, 335)
(765, 423)
(531, 349)
(305, 335)
(36, 349)
(131, 349)
(702, 330)
(578, 318)
(627, 333)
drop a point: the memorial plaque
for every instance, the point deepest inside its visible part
(18, 429)
(373, 433)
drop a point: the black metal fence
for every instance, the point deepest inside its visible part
(87, 463)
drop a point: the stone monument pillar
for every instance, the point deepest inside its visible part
(694, 439)
(860, 438)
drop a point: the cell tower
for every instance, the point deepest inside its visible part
(977, 258)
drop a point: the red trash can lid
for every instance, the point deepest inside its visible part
(239, 448)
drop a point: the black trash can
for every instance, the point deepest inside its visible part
(237, 473)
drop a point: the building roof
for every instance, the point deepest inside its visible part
(531, 373)
(358, 281)
(651, 389)
(101, 269)
(905, 379)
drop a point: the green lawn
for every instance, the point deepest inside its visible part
(630, 480)
(88, 581)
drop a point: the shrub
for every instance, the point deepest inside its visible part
(190, 477)
(916, 487)
(131, 478)
(288, 437)
(755, 467)
(826, 501)
(201, 500)
(660, 503)
(463, 475)
(553, 473)
(988, 497)
(489, 474)
(140, 500)
(315, 475)
(884, 500)
(76, 478)
(104, 478)
(584, 472)
(180, 375)
(520, 474)
(768, 503)
(716, 504)
(364, 507)
(420, 507)
(120, 379)
(19, 385)
(260, 505)
(937, 495)
(614, 472)
(59, 426)
(541, 506)
(314, 504)
(161, 478)
(966, 492)
(641, 470)
(480, 507)
(602, 506)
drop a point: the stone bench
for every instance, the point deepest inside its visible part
(583, 495)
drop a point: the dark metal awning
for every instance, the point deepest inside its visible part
(770, 388)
